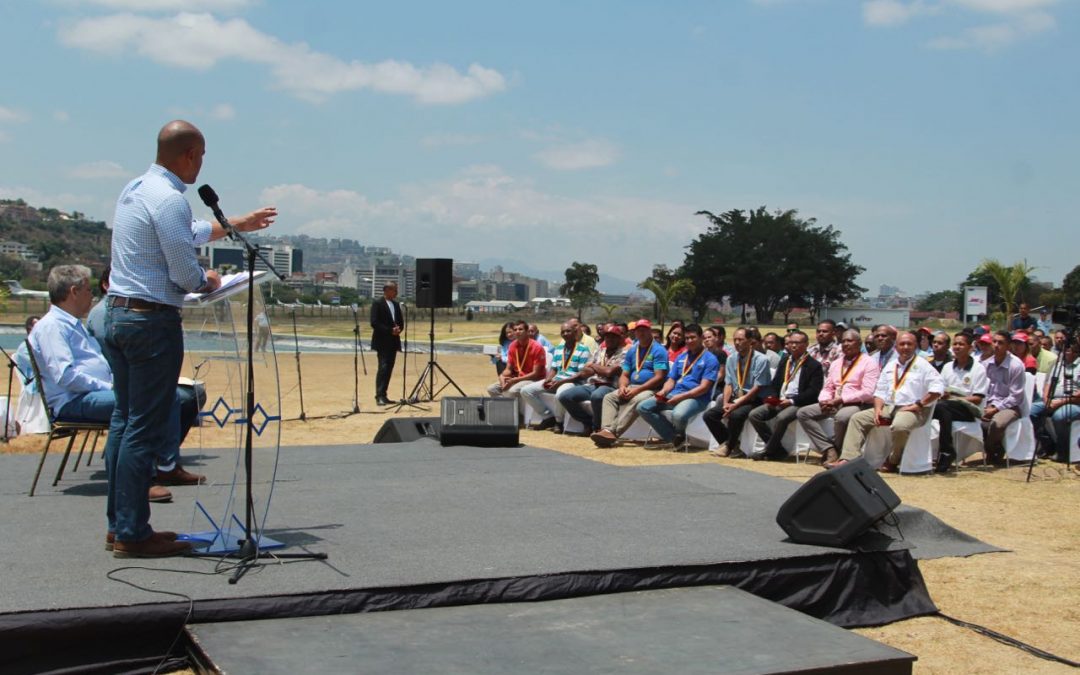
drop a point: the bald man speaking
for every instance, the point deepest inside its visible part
(153, 267)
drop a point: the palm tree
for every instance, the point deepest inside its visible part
(666, 292)
(609, 311)
(1009, 278)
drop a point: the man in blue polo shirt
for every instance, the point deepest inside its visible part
(746, 376)
(686, 392)
(644, 370)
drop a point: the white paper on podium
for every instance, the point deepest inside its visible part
(230, 284)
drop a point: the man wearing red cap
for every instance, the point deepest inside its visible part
(644, 370)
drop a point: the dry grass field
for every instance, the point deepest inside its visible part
(1031, 592)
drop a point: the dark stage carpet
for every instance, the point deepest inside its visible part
(708, 629)
(419, 525)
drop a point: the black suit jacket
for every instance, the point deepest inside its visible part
(382, 326)
(811, 380)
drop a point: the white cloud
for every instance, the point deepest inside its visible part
(95, 207)
(990, 37)
(200, 41)
(894, 12)
(223, 111)
(587, 154)
(1015, 20)
(1004, 6)
(4, 137)
(97, 170)
(61, 116)
(485, 212)
(168, 5)
(10, 116)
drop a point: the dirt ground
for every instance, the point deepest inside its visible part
(1030, 593)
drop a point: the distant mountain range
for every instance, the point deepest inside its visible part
(608, 284)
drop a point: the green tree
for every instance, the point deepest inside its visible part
(1009, 279)
(580, 286)
(941, 301)
(769, 260)
(1070, 285)
(665, 292)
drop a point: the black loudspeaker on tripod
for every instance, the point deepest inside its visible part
(834, 507)
(434, 282)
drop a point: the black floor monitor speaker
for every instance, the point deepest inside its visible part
(434, 282)
(407, 429)
(484, 422)
(834, 507)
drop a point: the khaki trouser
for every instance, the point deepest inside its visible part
(994, 443)
(903, 423)
(810, 418)
(619, 415)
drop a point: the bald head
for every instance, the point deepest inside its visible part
(180, 148)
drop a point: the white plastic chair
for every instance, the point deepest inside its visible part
(1020, 435)
(918, 453)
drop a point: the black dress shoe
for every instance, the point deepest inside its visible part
(382, 400)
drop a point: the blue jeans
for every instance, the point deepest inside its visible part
(97, 406)
(1062, 420)
(146, 351)
(650, 410)
(573, 397)
(93, 406)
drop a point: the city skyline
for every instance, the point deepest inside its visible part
(931, 133)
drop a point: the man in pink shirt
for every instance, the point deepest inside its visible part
(848, 389)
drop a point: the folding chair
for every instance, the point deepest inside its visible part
(61, 429)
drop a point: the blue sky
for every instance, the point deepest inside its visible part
(932, 133)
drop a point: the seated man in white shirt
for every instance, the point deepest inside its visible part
(76, 377)
(965, 389)
(906, 390)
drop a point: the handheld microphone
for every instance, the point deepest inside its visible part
(210, 198)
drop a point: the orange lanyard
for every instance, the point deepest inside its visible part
(846, 372)
(741, 372)
(639, 359)
(688, 365)
(519, 360)
(792, 369)
(898, 379)
(566, 356)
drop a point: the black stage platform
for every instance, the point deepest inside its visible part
(418, 525)
(708, 629)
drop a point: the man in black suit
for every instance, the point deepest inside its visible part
(387, 322)
(797, 383)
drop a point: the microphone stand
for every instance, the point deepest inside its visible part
(12, 367)
(403, 401)
(249, 552)
(358, 357)
(299, 375)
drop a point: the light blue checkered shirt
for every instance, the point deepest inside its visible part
(154, 239)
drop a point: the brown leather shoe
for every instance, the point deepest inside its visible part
(110, 538)
(830, 457)
(154, 546)
(179, 477)
(604, 438)
(159, 495)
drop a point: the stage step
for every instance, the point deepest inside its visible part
(705, 629)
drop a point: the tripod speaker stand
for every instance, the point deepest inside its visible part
(434, 285)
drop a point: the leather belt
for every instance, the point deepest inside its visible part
(137, 304)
